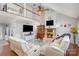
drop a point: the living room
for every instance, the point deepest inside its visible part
(38, 26)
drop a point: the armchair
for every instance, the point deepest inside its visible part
(57, 48)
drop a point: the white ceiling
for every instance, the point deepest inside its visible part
(70, 9)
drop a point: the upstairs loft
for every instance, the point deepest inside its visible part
(17, 10)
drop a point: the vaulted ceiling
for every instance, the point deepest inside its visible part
(69, 9)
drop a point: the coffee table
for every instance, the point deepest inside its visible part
(37, 42)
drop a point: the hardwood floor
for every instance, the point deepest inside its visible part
(6, 51)
(73, 50)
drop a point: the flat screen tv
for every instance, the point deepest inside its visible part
(50, 23)
(27, 28)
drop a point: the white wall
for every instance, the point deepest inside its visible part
(16, 28)
(63, 19)
(59, 21)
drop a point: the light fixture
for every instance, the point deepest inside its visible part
(41, 10)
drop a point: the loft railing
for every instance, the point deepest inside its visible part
(16, 9)
(26, 9)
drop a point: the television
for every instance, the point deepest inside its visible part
(27, 28)
(49, 22)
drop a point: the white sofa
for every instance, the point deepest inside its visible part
(22, 48)
(57, 48)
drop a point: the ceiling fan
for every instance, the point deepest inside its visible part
(40, 10)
